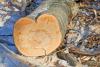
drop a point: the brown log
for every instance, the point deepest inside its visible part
(43, 30)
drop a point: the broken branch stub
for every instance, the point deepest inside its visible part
(41, 32)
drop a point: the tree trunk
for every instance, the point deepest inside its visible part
(41, 32)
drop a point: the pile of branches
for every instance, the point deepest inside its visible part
(83, 39)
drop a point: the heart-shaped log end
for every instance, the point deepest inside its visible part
(37, 38)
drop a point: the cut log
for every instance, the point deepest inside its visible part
(42, 31)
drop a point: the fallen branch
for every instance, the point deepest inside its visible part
(76, 50)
